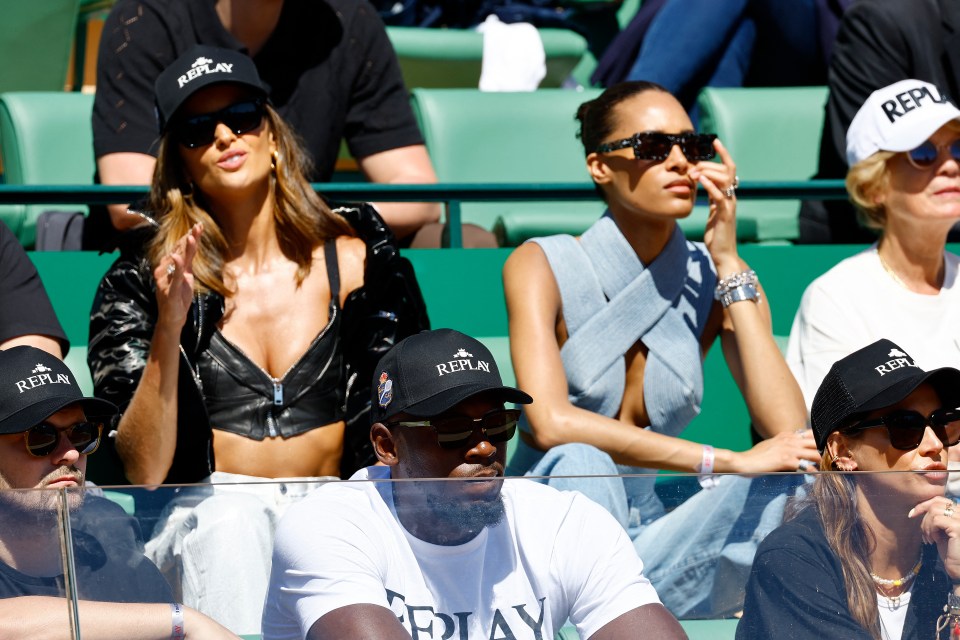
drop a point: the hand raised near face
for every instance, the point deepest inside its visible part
(940, 525)
(174, 278)
(720, 235)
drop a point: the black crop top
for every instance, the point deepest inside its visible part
(244, 399)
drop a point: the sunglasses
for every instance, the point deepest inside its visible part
(44, 438)
(455, 432)
(240, 117)
(653, 145)
(927, 154)
(906, 428)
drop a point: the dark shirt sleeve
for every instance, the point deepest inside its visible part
(136, 45)
(869, 54)
(379, 116)
(25, 308)
(796, 591)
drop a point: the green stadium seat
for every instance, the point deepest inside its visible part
(45, 139)
(36, 38)
(773, 134)
(451, 58)
(476, 137)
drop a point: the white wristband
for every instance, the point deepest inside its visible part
(177, 631)
(706, 460)
(705, 467)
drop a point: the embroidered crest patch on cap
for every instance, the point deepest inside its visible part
(385, 390)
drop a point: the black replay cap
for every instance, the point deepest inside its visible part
(876, 376)
(202, 66)
(428, 373)
(35, 385)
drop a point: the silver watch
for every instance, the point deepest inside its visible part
(745, 291)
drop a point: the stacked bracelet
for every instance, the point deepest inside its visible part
(737, 287)
(177, 631)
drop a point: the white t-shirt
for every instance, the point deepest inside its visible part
(555, 555)
(856, 303)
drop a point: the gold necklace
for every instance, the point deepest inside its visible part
(893, 274)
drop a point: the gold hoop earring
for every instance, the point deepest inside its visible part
(275, 161)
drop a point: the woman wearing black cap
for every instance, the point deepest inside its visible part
(230, 342)
(868, 555)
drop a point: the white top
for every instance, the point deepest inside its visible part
(856, 303)
(893, 614)
(555, 555)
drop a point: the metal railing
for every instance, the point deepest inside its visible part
(453, 194)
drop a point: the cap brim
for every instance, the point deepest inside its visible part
(913, 137)
(946, 377)
(449, 398)
(36, 413)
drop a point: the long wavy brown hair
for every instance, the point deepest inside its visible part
(303, 220)
(834, 497)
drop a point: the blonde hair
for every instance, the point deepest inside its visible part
(303, 221)
(869, 178)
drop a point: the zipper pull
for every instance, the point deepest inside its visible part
(277, 393)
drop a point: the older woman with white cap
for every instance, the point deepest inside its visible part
(903, 149)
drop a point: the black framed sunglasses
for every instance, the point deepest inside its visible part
(906, 427)
(240, 117)
(454, 432)
(927, 154)
(44, 438)
(653, 145)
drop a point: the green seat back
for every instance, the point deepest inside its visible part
(36, 38)
(477, 137)
(772, 134)
(433, 58)
(45, 138)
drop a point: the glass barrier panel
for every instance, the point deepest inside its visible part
(36, 580)
(493, 557)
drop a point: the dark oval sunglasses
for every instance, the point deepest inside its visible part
(653, 145)
(44, 438)
(455, 432)
(240, 117)
(906, 427)
(927, 154)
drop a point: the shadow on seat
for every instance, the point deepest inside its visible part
(482, 138)
(45, 139)
(773, 134)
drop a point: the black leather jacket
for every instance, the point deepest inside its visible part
(386, 309)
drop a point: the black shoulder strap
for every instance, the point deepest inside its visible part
(333, 273)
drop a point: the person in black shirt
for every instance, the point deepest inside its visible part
(332, 75)
(121, 594)
(867, 555)
(26, 315)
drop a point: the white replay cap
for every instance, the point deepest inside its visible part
(898, 117)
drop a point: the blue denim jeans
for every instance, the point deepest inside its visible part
(698, 556)
(214, 541)
(696, 43)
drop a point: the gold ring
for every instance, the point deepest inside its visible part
(948, 511)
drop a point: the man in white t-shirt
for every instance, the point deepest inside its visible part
(437, 555)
